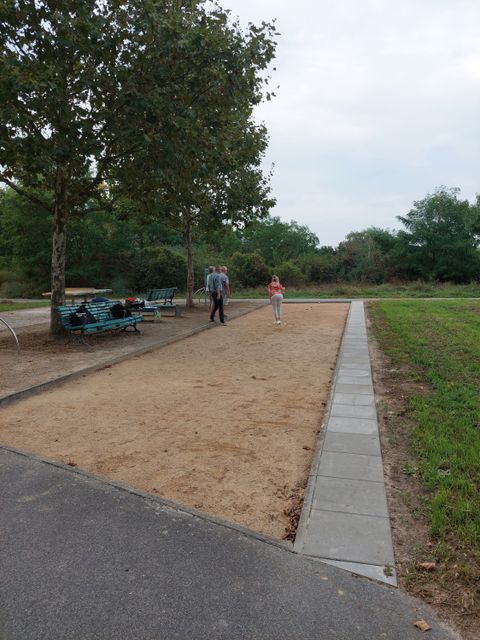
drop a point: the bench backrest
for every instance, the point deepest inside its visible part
(162, 294)
(101, 311)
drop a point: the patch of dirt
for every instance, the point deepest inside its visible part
(43, 357)
(224, 421)
(452, 586)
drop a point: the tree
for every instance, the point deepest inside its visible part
(85, 87)
(278, 241)
(441, 240)
(366, 255)
(209, 174)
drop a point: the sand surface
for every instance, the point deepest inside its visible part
(225, 421)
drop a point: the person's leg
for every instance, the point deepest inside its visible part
(220, 310)
(279, 307)
(214, 307)
(275, 306)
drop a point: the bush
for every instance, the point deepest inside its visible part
(289, 274)
(159, 267)
(248, 270)
(319, 268)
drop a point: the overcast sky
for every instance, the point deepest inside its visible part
(378, 104)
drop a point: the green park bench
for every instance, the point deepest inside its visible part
(103, 318)
(165, 296)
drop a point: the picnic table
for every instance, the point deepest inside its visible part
(80, 292)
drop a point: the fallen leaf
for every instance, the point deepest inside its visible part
(340, 592)
(422, 625)
(427, 566)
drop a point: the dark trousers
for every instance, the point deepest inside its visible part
(217, 304)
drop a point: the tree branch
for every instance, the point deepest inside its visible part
(25, 194)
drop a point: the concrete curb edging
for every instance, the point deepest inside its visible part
(345, 520)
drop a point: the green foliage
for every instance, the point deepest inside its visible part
(440, 242)
(289, 273)
(441, 341)
(248, 270)
(318, 267)
(25, 244)
(278, 241)
(158, 267)
(365, 256)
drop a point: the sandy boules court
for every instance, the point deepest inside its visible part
(224, 421)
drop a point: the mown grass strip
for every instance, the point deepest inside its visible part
(15, 306)
(439, 344)
(360, 290)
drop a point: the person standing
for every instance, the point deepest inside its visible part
(275, 294)
(208, 282)
(226, 285)
(217, 296)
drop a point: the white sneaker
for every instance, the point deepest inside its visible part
(278, 322)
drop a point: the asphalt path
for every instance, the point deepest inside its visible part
(84, 559)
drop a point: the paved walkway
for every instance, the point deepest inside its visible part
(84, 559)
(345, 518)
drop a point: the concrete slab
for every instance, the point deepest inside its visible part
(354, 399)
(355, 372)
(345, 515)
(350, 496)
(349, 537)
(353, 411)
(384, 574)
(354, 388)
(351, 465)
(352, 443)
(365, 365)
(353, 425)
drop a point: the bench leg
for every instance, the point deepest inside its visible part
(134, 328)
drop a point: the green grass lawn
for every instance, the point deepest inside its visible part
(13, 306)
(359, 290)
(438, 344)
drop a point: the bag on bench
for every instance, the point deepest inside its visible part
(118, 311)
(81, 316)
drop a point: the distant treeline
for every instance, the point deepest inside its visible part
(439, 242)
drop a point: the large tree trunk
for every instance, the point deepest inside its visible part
(59, 250)
(190, 275)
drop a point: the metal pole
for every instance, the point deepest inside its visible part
(12, 332)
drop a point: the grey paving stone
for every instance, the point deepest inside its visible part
(353, 425)
(352, 443)
(354, 353)
(354, 388)
(354, 398)
(350, 496)
(364, 366)
(355, 373)
(349, 537)
(343, 379)
(368, 570)
(354, 466)
(353, 411)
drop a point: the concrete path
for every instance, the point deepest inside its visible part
(84, 559)
(345, 518)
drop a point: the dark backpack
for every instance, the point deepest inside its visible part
(81, 316)
(118, 311)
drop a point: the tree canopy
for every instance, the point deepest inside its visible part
(91, 91)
